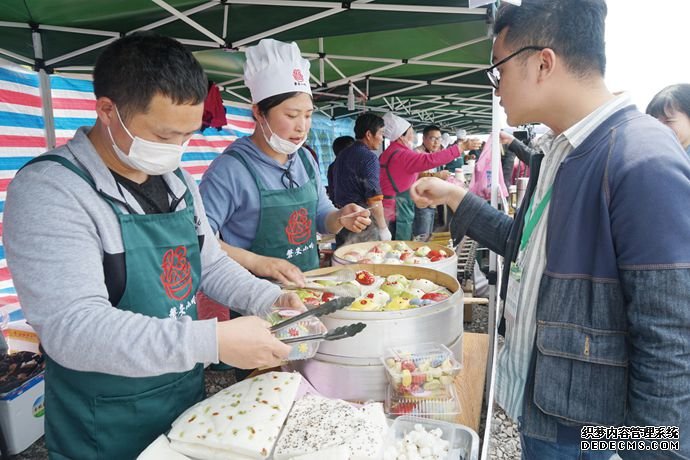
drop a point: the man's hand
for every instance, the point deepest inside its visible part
(247, 343)
(505, 138)
(277, 269)
(290, 301)
(431, 191)
(354, 217)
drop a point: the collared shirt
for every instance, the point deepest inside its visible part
(514, 358)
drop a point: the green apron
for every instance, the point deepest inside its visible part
(404, 207)
(287, 219)
(92, 415)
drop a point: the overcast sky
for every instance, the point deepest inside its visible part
(647, 46)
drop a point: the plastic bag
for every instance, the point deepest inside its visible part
(481, 179)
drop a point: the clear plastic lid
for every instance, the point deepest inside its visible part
(443, 407)
(421, 370)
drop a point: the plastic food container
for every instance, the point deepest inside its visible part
(302, 350)
(444, 407)
(403, 426)
(422, 370)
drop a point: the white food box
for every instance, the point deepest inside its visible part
(22, 413)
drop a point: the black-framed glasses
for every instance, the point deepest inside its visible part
(495, 75)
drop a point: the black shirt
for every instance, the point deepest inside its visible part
(152, 195)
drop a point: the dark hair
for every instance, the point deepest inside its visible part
(674, 97)
(341, 143)
(272, 101)
(430, 128)
(367, 122)
(574, 29)
(134, 68)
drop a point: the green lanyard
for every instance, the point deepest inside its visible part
(533, 219)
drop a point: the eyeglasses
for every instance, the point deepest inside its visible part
(435, 139)
(495, 75)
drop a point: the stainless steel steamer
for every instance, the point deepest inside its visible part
(351, 369)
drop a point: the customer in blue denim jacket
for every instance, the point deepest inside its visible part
(601, 242)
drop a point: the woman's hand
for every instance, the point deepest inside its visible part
(354, 217)
(277, 269)
(471, 144)
(442, 174)
(432, 191)
(290, 301)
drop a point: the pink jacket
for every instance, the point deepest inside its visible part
(405, 167)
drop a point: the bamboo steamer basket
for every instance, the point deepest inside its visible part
(339, 363)
(449, 265)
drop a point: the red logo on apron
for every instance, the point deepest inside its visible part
(297, 75)
(298, 229)
(177, 273)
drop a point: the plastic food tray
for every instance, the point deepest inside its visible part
(443, 407)
(463, 440)
(302, 350)
(422, 370)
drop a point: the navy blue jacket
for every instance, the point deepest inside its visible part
(613, 312)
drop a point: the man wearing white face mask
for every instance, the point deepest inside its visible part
(264, 195)
(108, 243)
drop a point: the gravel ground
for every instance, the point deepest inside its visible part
(504, 444)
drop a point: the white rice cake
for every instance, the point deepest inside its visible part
(316, 424)
(243, 420)
(160, 450)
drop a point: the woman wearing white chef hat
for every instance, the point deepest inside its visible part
(264, 195)
(400, 166)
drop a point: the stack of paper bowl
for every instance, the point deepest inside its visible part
(351, 368)
(447, 265)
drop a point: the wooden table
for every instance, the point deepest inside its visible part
(471, 380)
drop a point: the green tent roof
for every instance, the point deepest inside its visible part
(422, 59)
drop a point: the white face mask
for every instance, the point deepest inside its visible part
(279, 144)
(152, 158)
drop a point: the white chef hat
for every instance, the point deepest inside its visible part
(273, 68)
(394, 126)
(461, 134)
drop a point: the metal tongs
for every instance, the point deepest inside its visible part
(342, 275)
(341, 290)
(326, 308)
(338, 333)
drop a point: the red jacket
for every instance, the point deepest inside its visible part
(405, 167)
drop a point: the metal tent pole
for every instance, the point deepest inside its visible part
(494, 267)
(46, 94)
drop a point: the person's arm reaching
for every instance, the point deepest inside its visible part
(472, 215)
(417, 162)
(265, 267)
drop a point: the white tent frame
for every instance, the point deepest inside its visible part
(320, 85)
